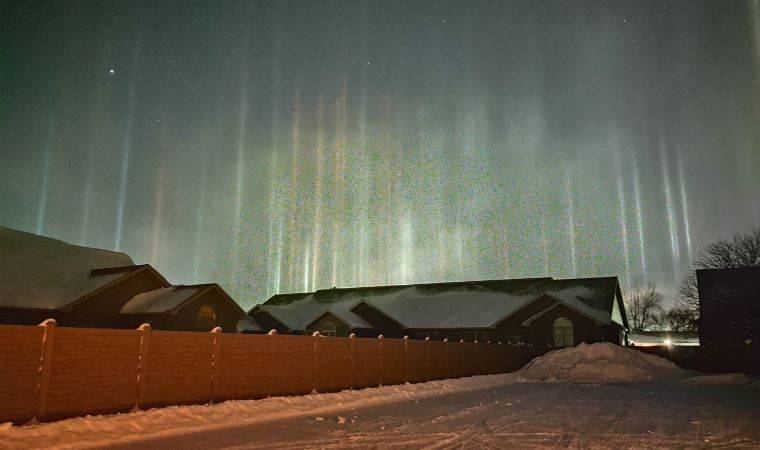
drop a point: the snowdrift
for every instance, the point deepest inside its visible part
(600, 363)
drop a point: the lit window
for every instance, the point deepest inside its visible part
(328, 329)
(563, 332)
(206, 318)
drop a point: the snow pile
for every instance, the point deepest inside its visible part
(599, 363)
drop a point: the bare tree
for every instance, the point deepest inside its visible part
(743, 250)
(679, 319)
(644, 307)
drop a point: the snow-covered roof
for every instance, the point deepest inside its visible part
(471, 304)
(248, 325)
(160, 300)
(45, 273)
(298, 314)
(414, 308)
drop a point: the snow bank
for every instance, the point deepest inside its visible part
(98, 431)
(720, 379)
(599, 363)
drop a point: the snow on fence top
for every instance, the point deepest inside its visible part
(601, 363)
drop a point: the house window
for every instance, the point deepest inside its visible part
(205, 320)
(328, 329)
(563, 332)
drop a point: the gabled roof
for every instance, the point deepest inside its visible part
(38, 272)
(413, 308)
(468, 304)
(168, 299)
(302, 311)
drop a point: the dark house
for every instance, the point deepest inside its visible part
(729, 306)
(42, 278)
(539, 311)
(191, 308)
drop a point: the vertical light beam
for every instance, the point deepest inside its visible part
(684, 207)
(44, 179)
(126, 149)
(639, 218)
(571, 224)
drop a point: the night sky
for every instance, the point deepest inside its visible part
(291, 146)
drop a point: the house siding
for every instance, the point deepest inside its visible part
(102, 309)
(584, 329)
(227, 314)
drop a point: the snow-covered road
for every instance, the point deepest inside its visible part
(662, 414)
(478, 412)
(609, 397)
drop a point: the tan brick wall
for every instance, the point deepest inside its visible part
(393, 362)
(469, 359)
(366, 362)
(93, 370)
(19, 366)
(177, 368)
(333, 364)
(294, 365)
(90, 371)
(455, 359)
(416, 361)
(246, 367)
(437, 354)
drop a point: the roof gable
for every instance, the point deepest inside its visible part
(171, 299)
(578, 307)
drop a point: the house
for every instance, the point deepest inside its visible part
(42, 278)
(538, 311)
(729, 307)
(198, 307)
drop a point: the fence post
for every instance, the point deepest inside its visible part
(315, 362)
(380, 358)
(427, 358)
(273, 351)
(446, 357)
(406, 359)
(463, 369)
(142, 357)
(351, 340)
(216, 355)
(46, 364)
(475, 352)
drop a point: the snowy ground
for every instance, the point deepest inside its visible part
(500, 412)
(674, 409)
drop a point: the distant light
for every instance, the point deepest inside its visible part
(667, 342)
(111, 71)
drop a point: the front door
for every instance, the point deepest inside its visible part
(563, 332)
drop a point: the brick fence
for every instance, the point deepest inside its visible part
(49, 372)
